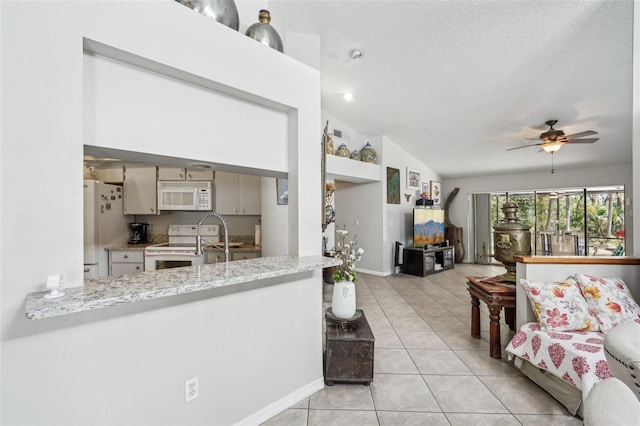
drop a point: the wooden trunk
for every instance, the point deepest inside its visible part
(348, 355)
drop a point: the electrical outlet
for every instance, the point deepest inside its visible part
(191, 389)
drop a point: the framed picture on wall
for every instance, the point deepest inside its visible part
(425, 188)
(393, 185)
(436, 192)
(282, 187)
(413, 178)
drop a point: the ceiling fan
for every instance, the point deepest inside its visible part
(553, 140)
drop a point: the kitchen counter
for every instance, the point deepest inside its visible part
(134, 247)
(131, 247)
(242, 248)
(141, 286)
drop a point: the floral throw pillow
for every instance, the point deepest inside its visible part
(609, 299)
(560, 306)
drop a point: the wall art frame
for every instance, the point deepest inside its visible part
(413, 178)
(436, 192)
(426, 188)
(393, 185)
(282, 191)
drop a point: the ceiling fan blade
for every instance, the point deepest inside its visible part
(525, 146)
(581, 134)
(588, 140)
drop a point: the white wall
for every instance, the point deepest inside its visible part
(275, 229)
(359, 210)
(398, 218)
(128, 364)
(378, 230)
(127, 106)
(461, 213)
(635, 194)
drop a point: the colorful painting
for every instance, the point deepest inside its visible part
(393, 185)
(436, 192)
(413, 178)
(282, 185)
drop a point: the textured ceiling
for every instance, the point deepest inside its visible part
(456, 83)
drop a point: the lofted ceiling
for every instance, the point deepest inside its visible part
(457, 83)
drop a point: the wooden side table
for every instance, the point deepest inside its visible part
(349, 352)
(496, 297)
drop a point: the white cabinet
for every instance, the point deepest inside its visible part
(125, 262)
(245, 255)
(140, 190)
(238, 194)
(180, 173)
(110, 174)
(217, 256)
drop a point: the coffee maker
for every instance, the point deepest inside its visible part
(138, 233)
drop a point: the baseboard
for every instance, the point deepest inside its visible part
(282, 404)
(371, 272)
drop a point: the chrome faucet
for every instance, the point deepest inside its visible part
(226, 235)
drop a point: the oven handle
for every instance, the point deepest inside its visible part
(172, 253)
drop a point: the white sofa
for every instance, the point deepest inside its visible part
(622, 350)
(611, 403)
(550, 268)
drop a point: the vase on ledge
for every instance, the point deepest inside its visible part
(343, 303)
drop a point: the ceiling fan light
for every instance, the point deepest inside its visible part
(552, 147)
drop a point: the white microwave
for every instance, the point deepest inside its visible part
(185, 195)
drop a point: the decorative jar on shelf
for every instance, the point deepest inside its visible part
(223, 11)
(368, 154)
(328, 148)
(355, 155)
(263, 32)
(343, 151)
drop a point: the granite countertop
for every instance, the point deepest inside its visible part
(140, 286)
(129, 247)
(244, 247)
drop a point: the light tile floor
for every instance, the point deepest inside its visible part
(427, 368)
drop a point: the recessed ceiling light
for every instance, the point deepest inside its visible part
(348, 96)
(356, 53)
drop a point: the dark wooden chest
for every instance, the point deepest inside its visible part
(348, 355)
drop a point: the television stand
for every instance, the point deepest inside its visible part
(423, 261)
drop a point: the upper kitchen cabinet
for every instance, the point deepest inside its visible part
(238, 194)
(180, 173)
(140, 190)
(110, 174)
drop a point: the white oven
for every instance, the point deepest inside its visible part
(181, 248)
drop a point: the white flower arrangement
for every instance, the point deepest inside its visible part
(347, 252)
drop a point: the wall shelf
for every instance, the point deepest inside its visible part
(348, 170)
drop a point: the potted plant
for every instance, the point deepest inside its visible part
(343, 303)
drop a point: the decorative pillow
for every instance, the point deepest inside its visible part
(609, 299)
(560, 306)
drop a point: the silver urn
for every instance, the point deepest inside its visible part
(223, 11)
(263, 32)
(511, 238)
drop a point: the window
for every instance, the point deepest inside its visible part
(584, 221)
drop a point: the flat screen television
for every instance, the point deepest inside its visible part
(428, 227)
